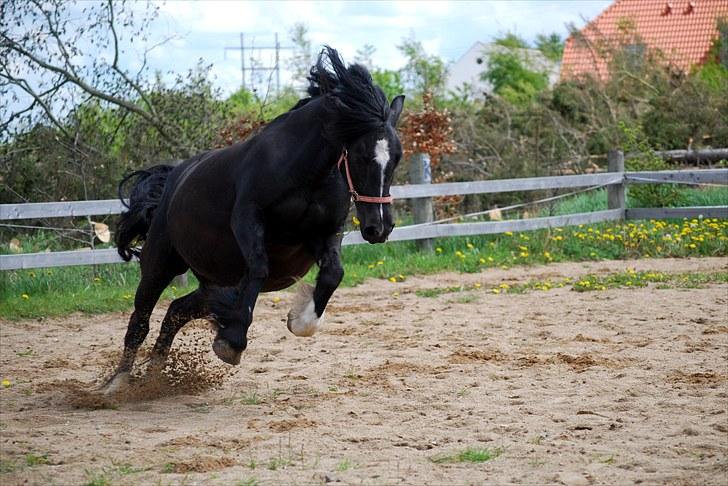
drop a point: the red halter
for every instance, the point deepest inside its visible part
(355, 196)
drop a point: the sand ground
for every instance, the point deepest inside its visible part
(612, 387)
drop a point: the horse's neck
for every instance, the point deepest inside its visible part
(316, 155)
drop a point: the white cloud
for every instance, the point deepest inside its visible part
(446, 29)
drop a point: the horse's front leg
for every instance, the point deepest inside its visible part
(232, 307)
(306, 316)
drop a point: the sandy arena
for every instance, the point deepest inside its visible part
(611, 387)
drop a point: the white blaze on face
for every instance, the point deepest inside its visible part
(381, 155)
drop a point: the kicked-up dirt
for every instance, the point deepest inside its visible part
(615, 386)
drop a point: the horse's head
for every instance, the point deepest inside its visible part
(359, 119)
(372, 159)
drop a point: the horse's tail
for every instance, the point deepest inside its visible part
(146, 191)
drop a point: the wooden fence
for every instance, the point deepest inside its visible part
(615, 180)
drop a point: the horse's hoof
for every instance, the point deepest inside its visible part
(118, 383)
(225, 352)
(302, 318)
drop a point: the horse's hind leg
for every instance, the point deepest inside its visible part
(180, 312)
(158, 270)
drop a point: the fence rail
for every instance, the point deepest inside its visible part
(616, 181)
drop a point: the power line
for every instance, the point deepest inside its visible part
(253, 67)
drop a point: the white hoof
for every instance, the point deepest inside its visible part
(118, 383)
(302, 318)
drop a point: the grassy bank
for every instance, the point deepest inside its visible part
(106, 288)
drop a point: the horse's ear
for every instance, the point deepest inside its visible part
(396, 109)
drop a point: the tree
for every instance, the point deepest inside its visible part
(423, 73)
(365, 56)
(302, 58)
(390, 82)
(63, 74)
(511, 76)
(55, 54)
(511, 40)
(551, 46)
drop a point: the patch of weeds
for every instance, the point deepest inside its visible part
(252, 399)
(248, 482)
(199, 407)
(36, 460)
(345, 465)
(126, 469)
(467, 299)
(277, 463)
(471, 454)
(168, 468)
(25, 354)
(351, 374)
(606, 459)
(538, 440)
(96, 479)
(252, 464)
(462, 392)
(7, 466)
(437, 291)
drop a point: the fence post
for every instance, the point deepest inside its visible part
(420, 173)
(615, 192)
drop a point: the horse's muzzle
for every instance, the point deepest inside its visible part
(376, 233)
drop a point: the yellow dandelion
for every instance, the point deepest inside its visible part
(495, 291)
(25, 296)
(470, 246)
(355, 221)
(380, 262)
(276, 299)
(438, 250)
(504, 286)
(6, 384)
(508, 233)
(476, 285)
(392, 279)
(482, 261)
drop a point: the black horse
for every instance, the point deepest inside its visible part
(254, 217)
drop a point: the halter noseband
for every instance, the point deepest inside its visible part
(355, 196)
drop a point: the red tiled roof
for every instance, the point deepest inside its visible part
(683, 31)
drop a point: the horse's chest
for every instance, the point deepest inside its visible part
(300, 216)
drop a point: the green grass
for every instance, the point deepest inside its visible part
(7, 466)
(345, 465)
(108, 288)
(276, 463)
(36, 460)
(597, 200)
(251, 399)
(474, 455)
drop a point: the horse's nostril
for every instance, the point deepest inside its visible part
(371, 231)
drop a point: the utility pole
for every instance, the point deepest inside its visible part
(252, 48)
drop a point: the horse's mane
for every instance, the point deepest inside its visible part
(355, 104)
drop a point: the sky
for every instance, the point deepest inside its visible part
(202, 30)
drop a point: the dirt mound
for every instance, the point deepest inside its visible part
(191, 368)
